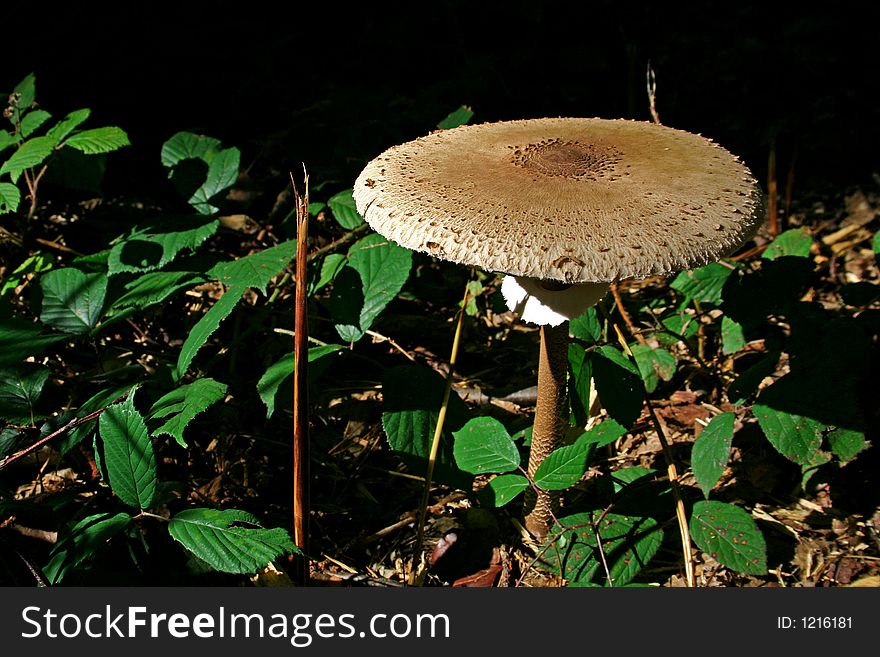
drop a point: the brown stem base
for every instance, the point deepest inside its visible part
(550, 416)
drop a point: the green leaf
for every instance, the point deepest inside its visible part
(412, 396)
(257, 269)
(730, 536)
(32, 121)
(207, 324)
(619, 384)
(222, 174)
(483, 445)
(187, 146)
(383, 268)
(27, 89)
(279, 372)
(183, 404)
(20, 339)
(603, 434)
(846, 444)
(68, 124)
(586, 326)
(796, 437)
(35, 264)
(95, 402)
(152, 246)
(502, 489)
(628, 544)
(20, 389)
(454, 119)
(217, 538)
(128, 453)
(72, 300)
(564, 466)
(680, 323)
(653, 364)
(98, 140)
(711, 451)
(732, 336)
(30, 154)
(79, 542)
(794, 242)
(6, 140)
(703, 284)
(875, 243)
(344, 210)
(747, 383)
(620, 479)
(10, 197)
(149, 289)
(330, 267)
(580, 383)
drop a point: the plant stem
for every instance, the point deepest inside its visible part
(549, 418)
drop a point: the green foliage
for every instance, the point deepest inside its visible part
(502, 489)
(270, 384)
(200, 169)
(221, 539)
(257, 269)
(72, 300)
(180, 406)
(344, 210)
(794, 242)
(628, 544)
(128, 454)
(703, 284)
(34, 152)
(152, 246)
(376, 272)
(456, 118)
(732, 336)
(483, 445)
(711, 451)
(81, 541)
(206, 326)
(730, 536)
(20, 389)
(654, 364)
(619, 384)
(412, 396)
(564, 467)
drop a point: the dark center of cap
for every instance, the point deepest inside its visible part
(568, 159)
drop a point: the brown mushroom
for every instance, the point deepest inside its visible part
(567, 206)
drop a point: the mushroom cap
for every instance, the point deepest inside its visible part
(566, 199)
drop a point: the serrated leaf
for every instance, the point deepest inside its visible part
(72, 300)
(128, 453)
(216, 538)
(330, 268)
(207, 324)
(269, 385)
(703, 284)
(564, 466)
(732, 336)
(257, 269)
(793, 242)
(456, 118)
(81, 541)
(68, 124)
(32, 121)
(586, 326)
(411, 400)
(98, 140)
(20, 339)
(483, 445)
(10, 197)
(603, 434)
(344, 210)
(6, 140)
(846, 444)
(619, 384)
(222, 174)
(30, 154)
(620, 479)
(628, 544)
(654, 364)
(20, 389)
(711, 451)
(796, 437)
(681, 324)
(383, 268)
(180, 406)
(580, 382)
(185, 146)
(152, 288)
(93, 403)
(730, 536)
(27, 90)
(502, 489)
(154, 245)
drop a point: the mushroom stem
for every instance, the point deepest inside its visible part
(549, 422)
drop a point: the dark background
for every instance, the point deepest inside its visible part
(333, 84)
